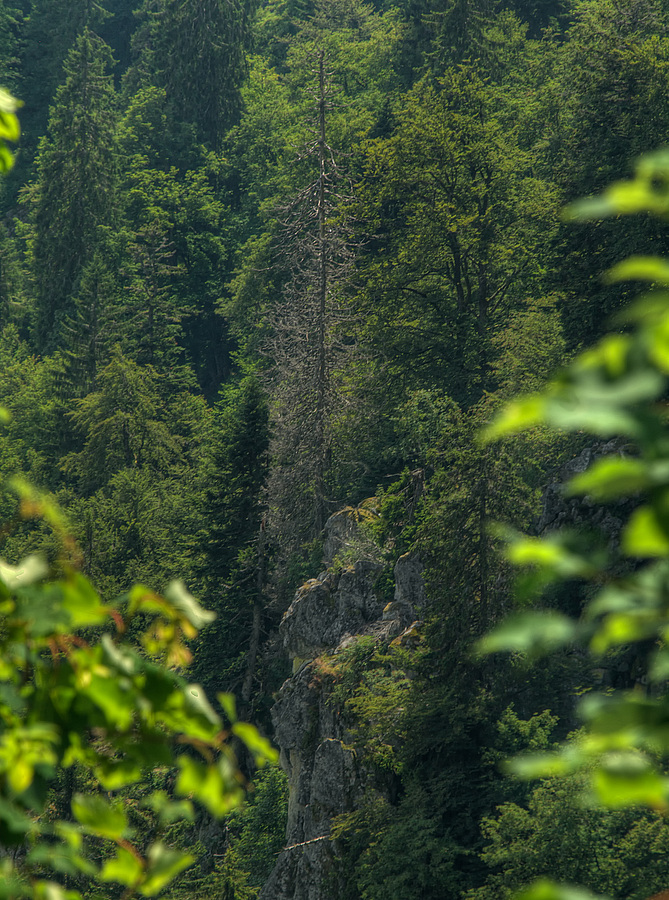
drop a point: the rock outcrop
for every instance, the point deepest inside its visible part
(328, 614)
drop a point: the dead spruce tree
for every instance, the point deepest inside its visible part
(307, 346)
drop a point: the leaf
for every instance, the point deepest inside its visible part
(60, 858)
(30, 570)
(534, 633)
(164, 864)
(549, 553)
(610, 478)
(125, 868)
(181, 599)
(598, 418)
(14, 818)
(212, 785)
(167, 810)
(624, 628)
(49, 890)
(114, 697)
(82, 602)
(644, 536)
(197, 702)
(529, 766)
(21, 775)
(259, 746)
(96, 816)
(543, 889)
(229, 705)
(12, 887)
(641, 268)
(628, 779)
(516, 416)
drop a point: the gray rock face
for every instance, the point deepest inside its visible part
(325, 611)
(409, 586)
(340, 531)
(325, 777)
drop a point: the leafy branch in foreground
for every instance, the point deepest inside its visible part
(616, 389)
(77, 692)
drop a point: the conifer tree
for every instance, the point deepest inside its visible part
(10, 19)
(50, 32)
(615, 59)
(196, 52)
(75, 191)
(233, 566)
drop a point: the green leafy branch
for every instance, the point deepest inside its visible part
(616, 389)
(76, 692)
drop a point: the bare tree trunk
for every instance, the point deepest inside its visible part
(321, 372)
(304, 345)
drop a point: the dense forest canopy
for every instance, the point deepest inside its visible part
(264, 261)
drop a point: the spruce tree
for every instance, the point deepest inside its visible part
(233, 564)
(75, 192)
(51, 30)
(196, 52)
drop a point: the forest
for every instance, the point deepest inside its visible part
(268, 264)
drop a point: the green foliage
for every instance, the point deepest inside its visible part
(196, 53)
(74, 195)
(76, 692)
(615, 388)
(616, 57)
(456, 213)
(232, 566)
(622, 853)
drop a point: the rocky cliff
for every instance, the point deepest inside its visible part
(326, 779)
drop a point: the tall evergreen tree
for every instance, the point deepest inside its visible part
(50, 32)
(10, 22)
(196, 52)
(75, 191)
(233, 568)
(612, 78)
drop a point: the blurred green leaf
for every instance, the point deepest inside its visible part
(198, 703)
(60, 858)
(610, 478)
(49, 890)
(263, 752)
(624, 628)
(519, 415)
(640, 268)
(550, 553)
(212, 785)
(163, 865)
(124, 868)
(533, 633)
(644, 535)
(229, 705)
(548, 890)
(181, 599)
(82, 602)
(97, 816)
(628, 779)
(168, 810)
(30, 570)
